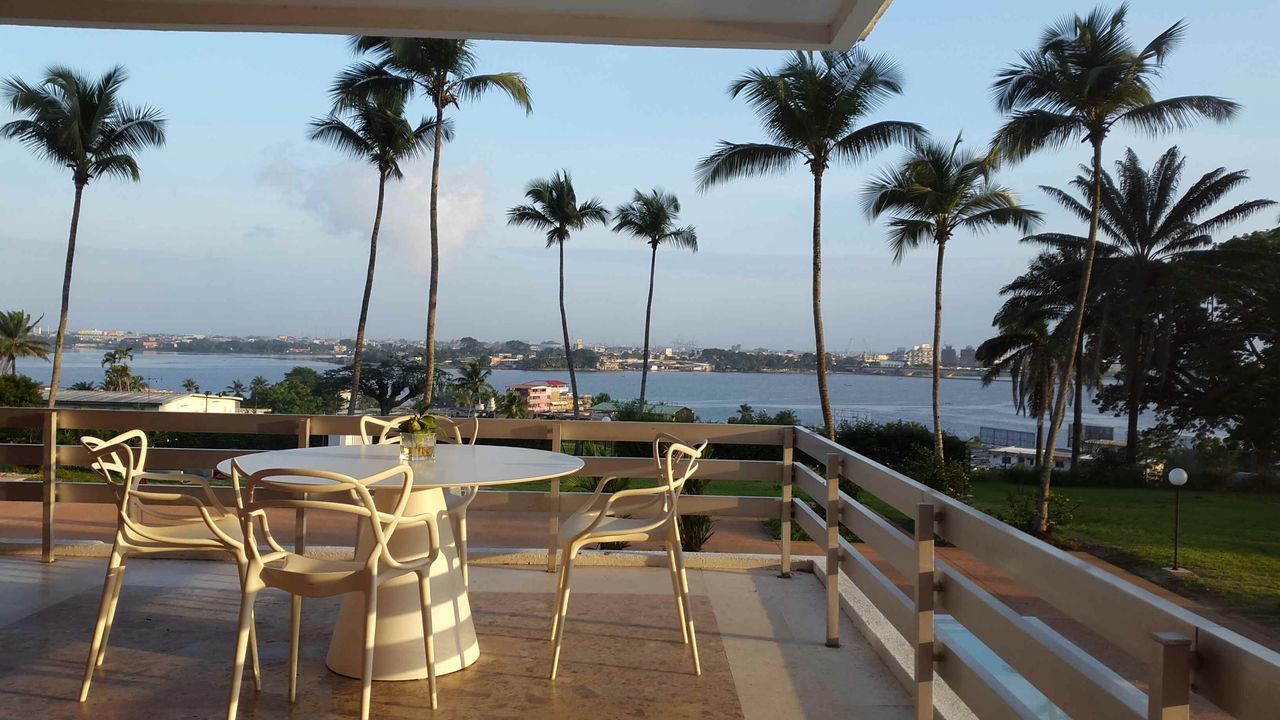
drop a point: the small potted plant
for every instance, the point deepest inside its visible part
(417, 438)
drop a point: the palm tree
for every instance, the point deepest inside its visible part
(511, 405)
(652, 217)
(376, 130)
(810, 109)
(82, 385)
(933, 193)
(257, 386)
(554, 208)
(119, 356)
(443, 71)
(1144, 226)
(18, 339)
(1029, 354)
(472, 383)
(190, 385)
(83, 125)
(1084, 78)
(237, 388)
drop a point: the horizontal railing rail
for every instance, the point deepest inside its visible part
(902, 578)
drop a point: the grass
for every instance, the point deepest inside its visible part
(1230, 540)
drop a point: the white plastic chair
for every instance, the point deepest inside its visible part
(303, 576)
(123, 467)
(654, 518)
(457, 499)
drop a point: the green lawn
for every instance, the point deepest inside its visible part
(1231, 540)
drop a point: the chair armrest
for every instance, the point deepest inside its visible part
(189, 479)
(181, 499)
(414, 562)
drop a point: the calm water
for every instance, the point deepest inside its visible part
(967, 405)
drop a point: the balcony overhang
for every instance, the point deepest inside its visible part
(807, 24)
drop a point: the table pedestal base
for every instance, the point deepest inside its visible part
(399, 652)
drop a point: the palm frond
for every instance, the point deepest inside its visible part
(737, 160)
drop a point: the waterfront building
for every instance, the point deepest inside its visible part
(969, 356)
(950, 357)
(919, 355)
(152, 400)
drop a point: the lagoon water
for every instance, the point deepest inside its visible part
(967, 404)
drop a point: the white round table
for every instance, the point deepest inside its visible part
(398, 651)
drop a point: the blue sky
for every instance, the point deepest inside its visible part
(241, 225)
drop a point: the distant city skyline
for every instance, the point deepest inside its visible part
(241, 226)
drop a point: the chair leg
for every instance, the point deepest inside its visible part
(562, 610)
(104, 607)
(243, 564)
(555, 609)
(424, 592)
(370, 636)
(675, 586)
(295, 629)
(247, 600)
(684, 593)
(461, 541)
(111, 614)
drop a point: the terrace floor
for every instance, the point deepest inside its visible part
(761, 640)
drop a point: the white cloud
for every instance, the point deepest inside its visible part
(342, 196)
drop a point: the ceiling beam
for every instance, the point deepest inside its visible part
(852, 22)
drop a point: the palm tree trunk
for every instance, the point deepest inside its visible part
(433, 292)
(66, 296)
(368, 290)
(1136, 377)
(1040, 409)
(1077, 421)
(819, 339)
(1077, 322)
(937, 356)
(648, 312)
(568, 352)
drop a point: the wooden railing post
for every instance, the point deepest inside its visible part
(923, 690)
(1168, 697)
(786, 511)
(300, 515)
(556, 433)
(833, 550)
(49, 496)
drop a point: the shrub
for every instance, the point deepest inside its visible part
(894, 443)
(1023, 511)
(695, 530)
(19, 391)
(952, 477)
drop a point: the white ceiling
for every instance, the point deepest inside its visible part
(801, 24)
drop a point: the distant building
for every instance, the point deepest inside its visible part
(549, 396)
(578, 344)
(154, 400)
(919, 355)
(672, 413)
(950, 357)
(969, 356)
(1014, 456)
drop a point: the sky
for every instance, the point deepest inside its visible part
(241, 225)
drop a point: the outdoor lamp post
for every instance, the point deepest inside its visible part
(1177, 478)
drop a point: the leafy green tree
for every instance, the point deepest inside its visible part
(19, 391)
(190, 385)
(83, 125)
(257, 386)
(82, 385)
(1219, 369)
(237, 388)
(810, 109)
(652, 217)
(554, 209)
(303, 391)
(1144, 227)
(390, 380)
(18, 339)
(442, 71)
(120, 377)
(1085, 77)
(374, 130)
(118, 356)
(933, 193)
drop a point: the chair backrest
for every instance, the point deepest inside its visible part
(301, 489)
(680, 463)
(120, 464)
(375, 431)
